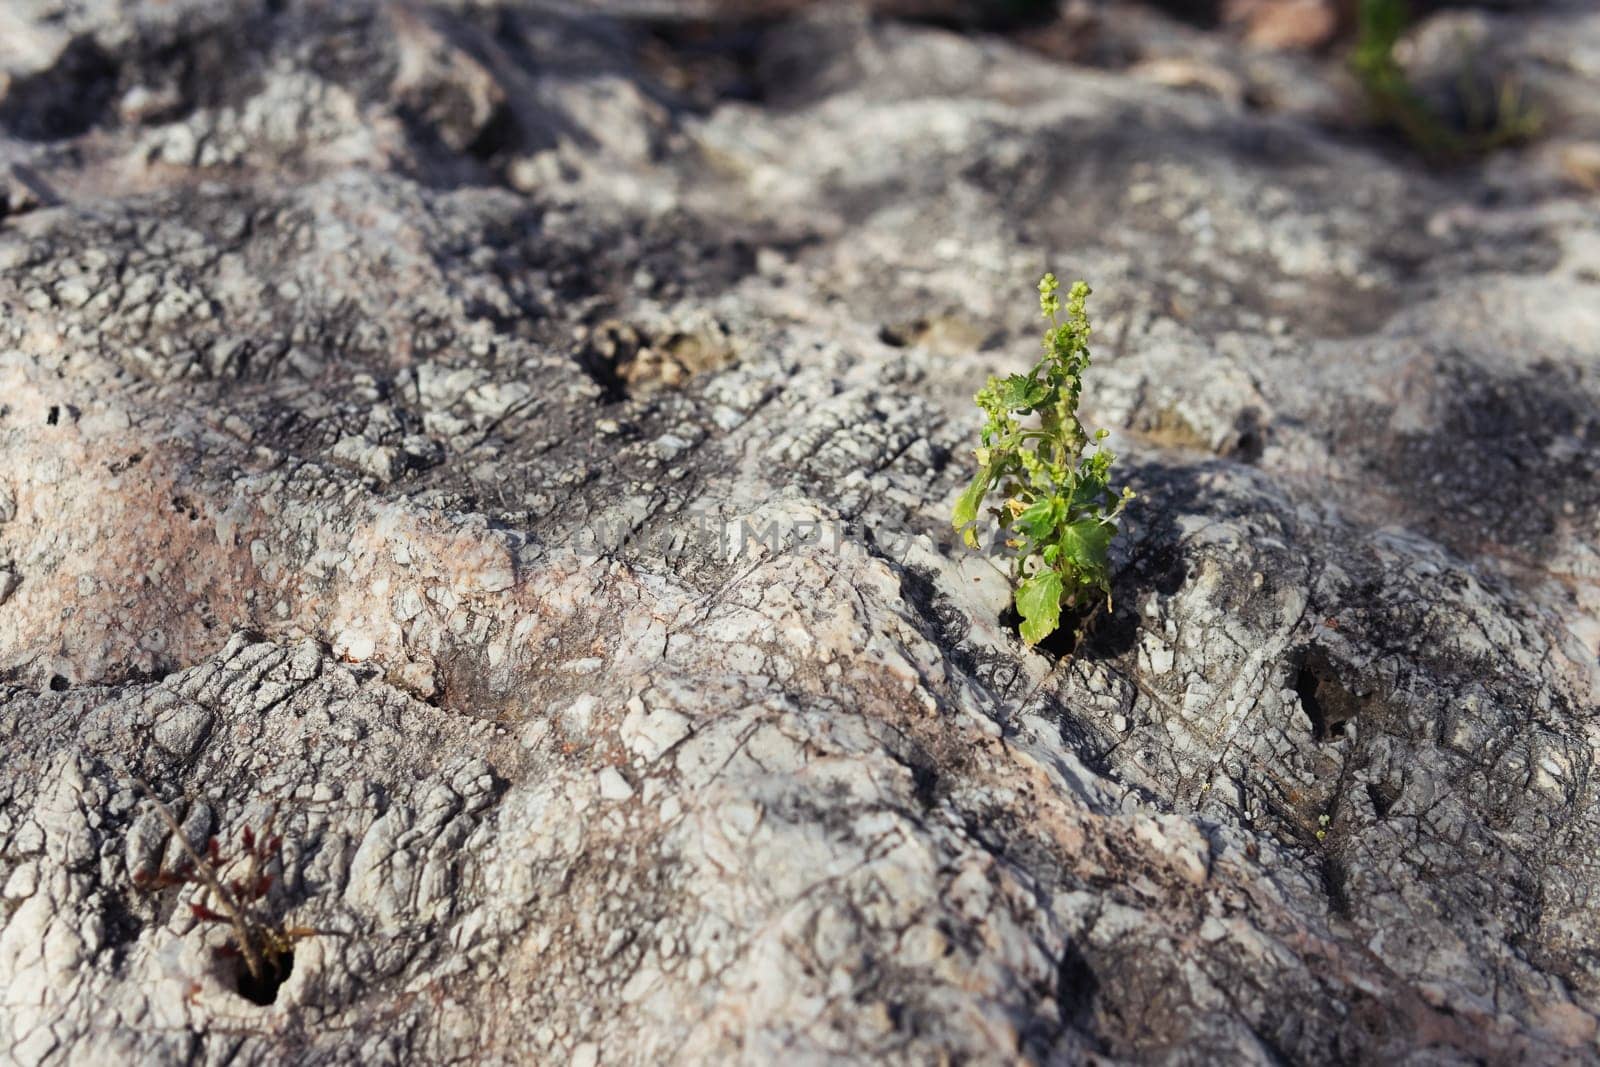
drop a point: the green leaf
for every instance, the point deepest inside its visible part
(1023, 392)
(1039, 519)
(1084, 544)
(1091, 492)
(967, 504)
(1039, 604)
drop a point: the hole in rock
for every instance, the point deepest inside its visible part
(1250, 438)
(1328, 705)
(1383, 798)
(1074, 632)
(601, 366)
(64, 100)
(274, 973)
(58, 684)
(1076, 986)
(1109, 634)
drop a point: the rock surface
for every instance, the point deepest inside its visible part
(514, 446)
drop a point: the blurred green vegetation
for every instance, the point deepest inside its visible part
(1484, 114)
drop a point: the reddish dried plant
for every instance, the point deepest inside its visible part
(264, 944)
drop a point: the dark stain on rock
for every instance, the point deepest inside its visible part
(1509, 458)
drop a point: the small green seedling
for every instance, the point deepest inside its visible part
(1058, 505)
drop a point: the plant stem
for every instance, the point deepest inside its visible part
(208, 875)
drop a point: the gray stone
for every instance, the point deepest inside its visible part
(512, 453)
(181, 730)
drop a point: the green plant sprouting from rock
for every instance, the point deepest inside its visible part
(1492, 116)
(1057, 508)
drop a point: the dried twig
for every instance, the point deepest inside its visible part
(204, 870)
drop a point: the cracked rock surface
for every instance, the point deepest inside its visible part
(509, 447)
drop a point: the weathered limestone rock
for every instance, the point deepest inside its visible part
(512, 447)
